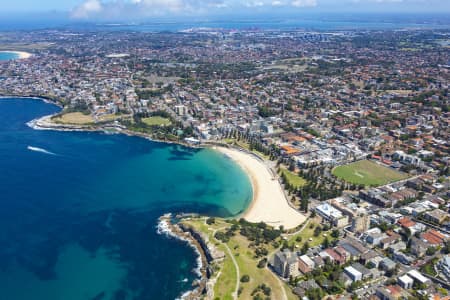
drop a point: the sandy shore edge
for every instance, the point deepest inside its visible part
(269, 202)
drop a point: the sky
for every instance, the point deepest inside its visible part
(141, 9)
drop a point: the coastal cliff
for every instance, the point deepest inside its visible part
(207, 253)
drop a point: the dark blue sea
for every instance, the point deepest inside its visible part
(78, 211)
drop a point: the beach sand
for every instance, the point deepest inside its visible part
(269, 203)
(23, 55)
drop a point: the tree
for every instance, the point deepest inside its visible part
(335, 233)
(431, 251)
(317, 231)
(262, 263)
(305, 248)
(245, 278)
(304, 204)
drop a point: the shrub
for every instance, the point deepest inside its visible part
(262, 263)
(221, 236)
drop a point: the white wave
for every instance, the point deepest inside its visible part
(184, 296)
(36, 149)
(163, 228)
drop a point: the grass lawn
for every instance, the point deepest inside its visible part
(367, 173)
(76, 118)
(239, 246)
(156, 121)
(293, 178)
(108, 118)
(308, 233)
(247, 264)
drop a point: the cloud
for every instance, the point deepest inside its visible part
(110, 9)
(87, 8)
(304, 3)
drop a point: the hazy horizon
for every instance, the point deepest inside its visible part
(151, 10)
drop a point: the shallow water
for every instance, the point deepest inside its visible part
(78, 211)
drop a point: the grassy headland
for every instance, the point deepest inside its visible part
(244, 270)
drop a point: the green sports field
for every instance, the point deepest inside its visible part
(368, 173)
(156, 121)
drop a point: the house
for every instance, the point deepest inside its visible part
(433, 237)
(418, 247)
(354, 274)
(305, 264)
(375, 196)
(387, 264)
(399, 246)
(354, 247)
(375, 262)
(391, 292)
(336, 257)
(402, 258)
(391, 239)
(318, 261)
(369, 256)
(303, 286)
(436, 216)
(374, 236)
(444, 266)
(366, 273)
(406, 223)
(344, 254)
(285, 264)
(405, 282)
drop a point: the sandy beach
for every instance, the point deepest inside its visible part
(20, 54)
(269, 203)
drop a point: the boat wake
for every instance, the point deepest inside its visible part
(40, 150)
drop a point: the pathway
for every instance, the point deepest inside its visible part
(280, 283)
(235, 293)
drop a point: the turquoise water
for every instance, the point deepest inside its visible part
(78, 212)
(8, 56)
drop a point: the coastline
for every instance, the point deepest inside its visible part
(269, 204)
(20, 54)
(206, 253)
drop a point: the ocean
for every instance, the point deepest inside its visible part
(8, 56)
(79, 210)
(289, 21)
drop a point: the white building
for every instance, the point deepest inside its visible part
(405, 282)
(354, 274)
(332, 215)
(417, 276)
